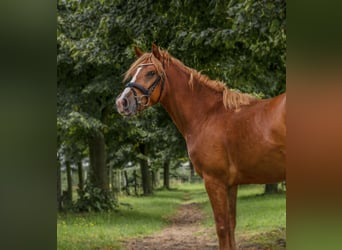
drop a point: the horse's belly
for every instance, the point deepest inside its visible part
(270, 168)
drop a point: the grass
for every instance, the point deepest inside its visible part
(145, 215)
(255, 212)
(261, 219)
(142, 216)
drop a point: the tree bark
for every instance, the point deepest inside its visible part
(166, 174)
(126, 183)
(80, 176)
(271, 188)
(146, 177)
(192, 171)
(156, 178)
(97, 154)
(116, 181)
(59, 187)
(153, 176)
(135, 182)
(69, 181)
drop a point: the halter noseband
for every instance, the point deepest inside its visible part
(146, 92)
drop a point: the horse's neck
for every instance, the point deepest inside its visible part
(187, 105)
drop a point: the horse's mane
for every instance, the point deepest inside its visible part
(232, 99)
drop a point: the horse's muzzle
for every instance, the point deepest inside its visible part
(125, 103)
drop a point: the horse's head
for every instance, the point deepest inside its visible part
(146, 84)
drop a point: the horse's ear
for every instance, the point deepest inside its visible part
(138, 51)
(156, 51)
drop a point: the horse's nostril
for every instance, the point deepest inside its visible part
(124, 102)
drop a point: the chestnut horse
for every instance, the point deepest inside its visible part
(232, 138)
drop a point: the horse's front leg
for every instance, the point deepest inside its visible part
(218, 193)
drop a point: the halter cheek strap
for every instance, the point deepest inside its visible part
(146, 92)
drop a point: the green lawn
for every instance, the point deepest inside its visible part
(255, 212)
(145, 215)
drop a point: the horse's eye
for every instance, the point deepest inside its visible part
(151, 73)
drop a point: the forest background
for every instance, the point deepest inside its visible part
(242, 43)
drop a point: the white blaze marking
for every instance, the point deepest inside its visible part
(127, 90)
(136, 74)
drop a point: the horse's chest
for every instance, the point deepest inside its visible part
(207, 154)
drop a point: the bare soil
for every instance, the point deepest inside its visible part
(186, 233)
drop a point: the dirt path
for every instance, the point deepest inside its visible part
(186, 233)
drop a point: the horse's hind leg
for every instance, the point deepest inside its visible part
(232, 195)
(218, 197)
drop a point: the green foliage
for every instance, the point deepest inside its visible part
(93, 199)
(240, 42)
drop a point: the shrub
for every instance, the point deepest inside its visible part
(93, 199)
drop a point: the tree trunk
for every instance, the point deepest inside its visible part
(166, 174)
(271, 188)
(111, 175)
(153, 176)
(80, 176)
(135, 182)
(59, 186)
(146, 177)
(69, 182)
(126, 183)
(97, 154)
(116, 181)
(192, 171)
(157, 177)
